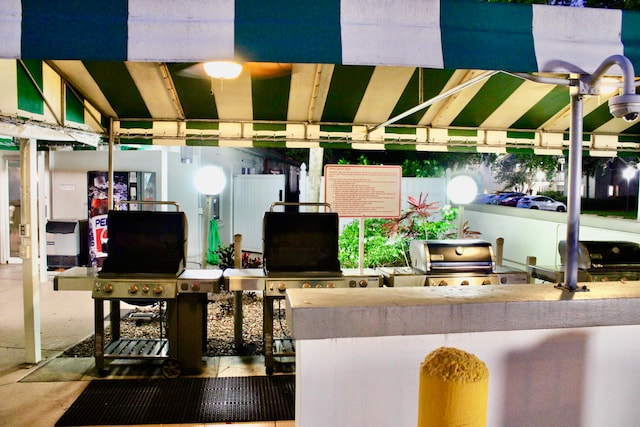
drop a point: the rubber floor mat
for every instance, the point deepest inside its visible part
(183, 400)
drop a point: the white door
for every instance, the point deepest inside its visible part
(252, 197)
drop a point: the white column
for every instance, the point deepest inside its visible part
(43, 208)
(315, 175)
(29, 250)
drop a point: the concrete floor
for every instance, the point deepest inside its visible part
(38, 395)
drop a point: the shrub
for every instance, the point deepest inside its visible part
(387, 240)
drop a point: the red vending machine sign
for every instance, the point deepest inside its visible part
(98, 202)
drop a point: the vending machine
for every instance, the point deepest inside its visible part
(127, 186)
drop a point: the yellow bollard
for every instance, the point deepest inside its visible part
(454, 389)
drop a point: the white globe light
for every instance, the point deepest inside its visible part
(629, 173)
(210, 180)
(462, 189)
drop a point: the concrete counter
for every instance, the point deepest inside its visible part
(554, 357)
(342, 313)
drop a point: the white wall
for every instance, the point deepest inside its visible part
(536, 233)
(582, 377)
(69, 176)
(174, 182)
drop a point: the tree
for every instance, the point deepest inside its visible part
(593, 166)
(517, 171)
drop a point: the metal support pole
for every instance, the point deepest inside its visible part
(237, 296)
(361, 246)
(461, 221)
(110, 168)
(205, 235)
(573, 199)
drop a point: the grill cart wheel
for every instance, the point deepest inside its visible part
(171, 368)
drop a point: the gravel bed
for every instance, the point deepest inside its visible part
(144, 322)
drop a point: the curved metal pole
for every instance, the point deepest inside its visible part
(573, 199)
(628, 81)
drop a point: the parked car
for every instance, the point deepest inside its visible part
(541, 202)
(484, 198)
(509, 199)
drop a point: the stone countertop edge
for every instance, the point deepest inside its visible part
(343, 313)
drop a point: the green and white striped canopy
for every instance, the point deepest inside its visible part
(333, 73)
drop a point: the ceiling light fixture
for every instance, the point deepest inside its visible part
(609, 85)
(223, 69)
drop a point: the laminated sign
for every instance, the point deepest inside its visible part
(356, 191)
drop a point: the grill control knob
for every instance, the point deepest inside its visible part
(331, 285)
(487, 282)
(195, 286)
(184, 286)
(146, 289)
(133, 289)
(465, 283)
(352, 283)
(107, 288)
(158, 290)
(363, 283)
(318, 285)
(282, 286)
(306, 285)
(443, 283)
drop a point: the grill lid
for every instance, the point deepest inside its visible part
(593, 254)
(144, 242)
(295, 242)
(460, 255)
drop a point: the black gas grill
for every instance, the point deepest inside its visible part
(147, 253)
(603, 261)
(598, 261)
(300, 250)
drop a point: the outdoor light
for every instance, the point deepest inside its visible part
(608, 85)
(461, 190)
(629, 173)
(210, 181)
(223, 69)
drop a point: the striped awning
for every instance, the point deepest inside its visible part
(317, 73)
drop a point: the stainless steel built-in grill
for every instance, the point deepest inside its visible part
(451, 262)
(598, 261)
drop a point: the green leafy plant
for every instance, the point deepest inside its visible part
(379, 249)
(386, 240)
(225, 256)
